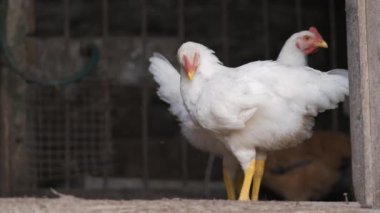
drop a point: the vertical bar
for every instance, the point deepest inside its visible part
(67, 144)
(30, 137)
(5, 156)
(363, 28)
(265, 15)
(32, 16)
(145, 96)
(184, 159)
(207, 180)
(105, 18)
(183, 142)
(181, 20)
(67, 32)
(298, 11)
(105, 34)
(225, 38)
(332, 47)
(333, 58)
(66, 26)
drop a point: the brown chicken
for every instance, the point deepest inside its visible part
(309, 171)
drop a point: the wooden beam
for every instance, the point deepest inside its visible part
(19, 22)
(363, 33)
(73, 204)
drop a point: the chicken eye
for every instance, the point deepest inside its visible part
(306, 38)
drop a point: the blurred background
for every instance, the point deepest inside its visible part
(100, 131)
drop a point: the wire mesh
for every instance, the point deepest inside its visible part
(67, 133)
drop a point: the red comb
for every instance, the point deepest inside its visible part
(316, 33)
(186, 62)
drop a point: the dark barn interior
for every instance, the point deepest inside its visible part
(106, 134)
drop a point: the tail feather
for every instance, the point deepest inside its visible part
(334, 87)
(341, 72)
(168, 80)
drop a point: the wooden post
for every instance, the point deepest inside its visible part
(5, 158)
(363, 40)
(20, 22)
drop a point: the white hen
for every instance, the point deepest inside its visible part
(257, 107)
(299, 45)
(169, 91)
(296, 49)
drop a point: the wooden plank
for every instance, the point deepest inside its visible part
(363, 29)
(19, 22)
(373, 36)
(73, 204)
(357, 125)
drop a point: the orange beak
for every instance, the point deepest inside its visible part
(321, 44)
(190, 68)
(190, 74)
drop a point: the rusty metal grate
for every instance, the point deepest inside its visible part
(67, 129)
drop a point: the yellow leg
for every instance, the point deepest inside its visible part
(229, 184)
(248, 175)
(260, 164)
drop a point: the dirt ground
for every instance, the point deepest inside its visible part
(70, 204)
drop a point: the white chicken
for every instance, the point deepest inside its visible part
(256, 107)
(296, 48)
(299, 45)
(169, 91)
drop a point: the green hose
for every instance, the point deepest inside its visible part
(12, 64)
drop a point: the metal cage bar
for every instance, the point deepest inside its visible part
(66, 27)
(181, 20)
(298, 11)
(265, 16)
(105, 19)
(333, 58)
(67, 147)
(225, 37)
(105, 35)
(67, 33)
(144, 96)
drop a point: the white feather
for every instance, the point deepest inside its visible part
(168, 80)
(290, 54)
(262, 104)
